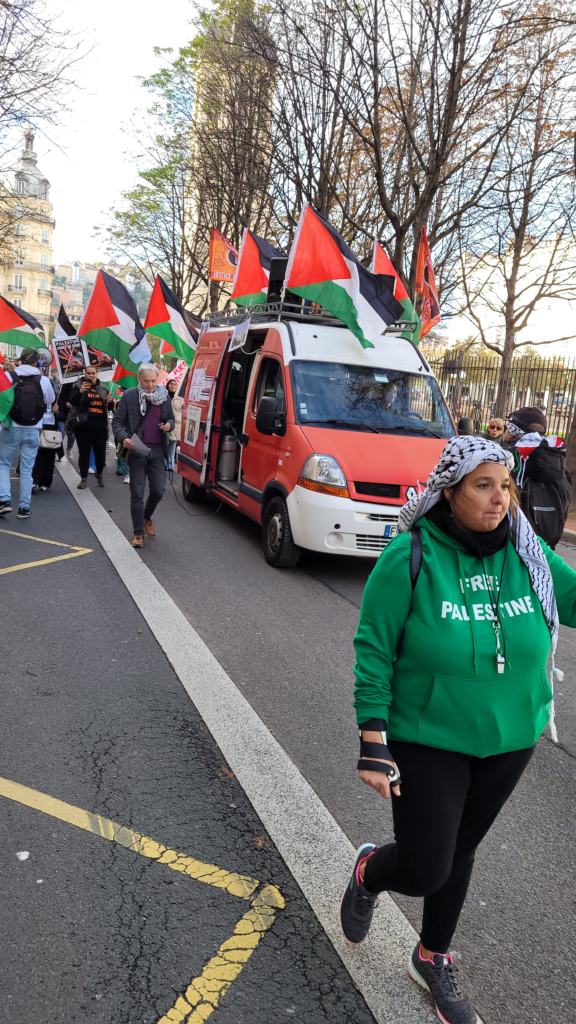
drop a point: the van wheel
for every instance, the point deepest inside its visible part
(191, 492)
(279, 548)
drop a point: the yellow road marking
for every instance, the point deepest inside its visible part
(75, 552)
(204, 992)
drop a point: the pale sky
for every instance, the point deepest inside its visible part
(92, 165)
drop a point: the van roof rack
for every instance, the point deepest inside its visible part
(267, 311)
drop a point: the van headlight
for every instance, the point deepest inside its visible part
(323, 474)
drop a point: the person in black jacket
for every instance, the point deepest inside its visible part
(90, 400)
(147, 412)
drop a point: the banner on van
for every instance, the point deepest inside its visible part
(239, 335)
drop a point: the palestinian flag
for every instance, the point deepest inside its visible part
(167, 319)
(18, 327)
(6, 398)
(426, 285)
(322, 269)
(253, 270)
(122, 379)
(381, 264)
(63, 328)
(111, 324)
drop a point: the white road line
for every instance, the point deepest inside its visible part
(313, 845)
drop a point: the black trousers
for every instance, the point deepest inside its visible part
(43, 469)
(447, 804)
(88, 437)
(153, 466)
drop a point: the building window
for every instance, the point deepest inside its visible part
(44, 236)
(43, 284)
(18, 257)
(20, 186)
(44, 261)
(18, 280)
(17, 302)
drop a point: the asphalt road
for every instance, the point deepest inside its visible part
(93, 715)
(285, 637)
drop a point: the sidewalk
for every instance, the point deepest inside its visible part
(98, 928)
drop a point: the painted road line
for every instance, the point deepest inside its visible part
(204, 992)
(74, 552)
(315, 848)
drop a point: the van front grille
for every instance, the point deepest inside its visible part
(368, 542)
(377, 490)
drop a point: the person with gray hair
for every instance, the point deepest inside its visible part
(145, 411)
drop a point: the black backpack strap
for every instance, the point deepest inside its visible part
(415, 555)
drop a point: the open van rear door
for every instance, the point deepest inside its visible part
(200, 398)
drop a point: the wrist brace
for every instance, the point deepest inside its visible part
(369, 751)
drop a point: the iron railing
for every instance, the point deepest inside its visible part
(470, 387)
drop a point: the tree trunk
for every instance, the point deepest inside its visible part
(503, 393)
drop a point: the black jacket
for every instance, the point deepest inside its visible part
(128, 419)
(80, 401)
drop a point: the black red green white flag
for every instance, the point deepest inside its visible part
(63, 328)
(17, 327)
(323, 269)
(6, 398)
(167, 319)
(111, 323)
(253, 270)
(382, 264)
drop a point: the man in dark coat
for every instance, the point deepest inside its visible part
(145, 411)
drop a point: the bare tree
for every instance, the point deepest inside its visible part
(521, 252)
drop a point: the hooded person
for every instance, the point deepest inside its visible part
(459, 620)
(540, 471)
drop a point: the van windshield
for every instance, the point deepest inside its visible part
(369, 399)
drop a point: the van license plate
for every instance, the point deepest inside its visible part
(390, 530)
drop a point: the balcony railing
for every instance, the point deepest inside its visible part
(28, 265)
(19, 289)
(44, 293)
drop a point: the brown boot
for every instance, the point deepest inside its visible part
(149, 528)
(83, 483)
(100, 479)
(138, 540)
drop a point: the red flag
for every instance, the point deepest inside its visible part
(223, 258)
(381, 264)
(426, 285)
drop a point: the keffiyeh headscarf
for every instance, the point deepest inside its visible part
(462, 455)
(515, 432)
(154, 397)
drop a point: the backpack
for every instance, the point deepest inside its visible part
(28, 406)
(546, 492)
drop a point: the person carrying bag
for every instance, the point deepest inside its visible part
(458, 621)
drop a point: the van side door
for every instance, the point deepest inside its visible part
(261, 453)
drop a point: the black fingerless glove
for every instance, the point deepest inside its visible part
(368, 751)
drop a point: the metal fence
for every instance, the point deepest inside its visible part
(470, 387)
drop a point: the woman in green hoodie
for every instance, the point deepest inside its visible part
(458, 621)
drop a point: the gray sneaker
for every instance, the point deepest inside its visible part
(440, 977)
(357, 904)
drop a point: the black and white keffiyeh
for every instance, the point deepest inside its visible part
(515, 432)
(462, 455)
(154, 397)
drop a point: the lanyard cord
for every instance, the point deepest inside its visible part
(494, 606)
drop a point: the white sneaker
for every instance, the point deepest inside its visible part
(91, 470)
(126, 479)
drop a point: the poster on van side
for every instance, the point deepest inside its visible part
(193, 418)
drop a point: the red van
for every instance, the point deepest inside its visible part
(303, 430)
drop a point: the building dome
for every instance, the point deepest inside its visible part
(28, 178)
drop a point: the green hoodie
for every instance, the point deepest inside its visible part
(426, 660)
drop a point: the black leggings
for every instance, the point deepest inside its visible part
(86, 438)
(447, 804)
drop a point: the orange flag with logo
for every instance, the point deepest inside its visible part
(223, 258)
(426, 285)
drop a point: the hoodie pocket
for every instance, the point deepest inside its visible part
(485, 716)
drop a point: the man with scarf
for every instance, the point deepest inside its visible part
(147, 412)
